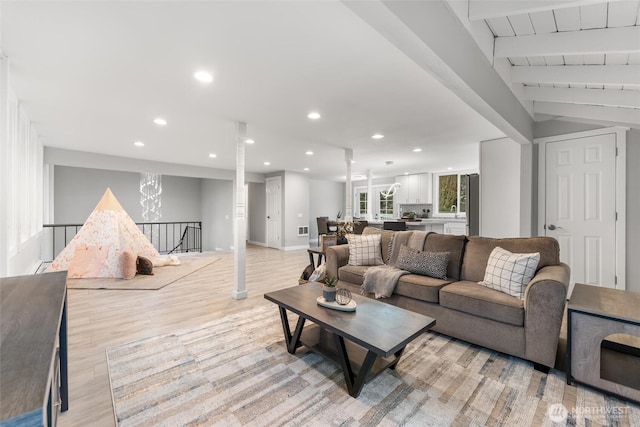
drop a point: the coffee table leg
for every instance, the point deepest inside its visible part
(398, 354)
(354, 383)
(292, 341)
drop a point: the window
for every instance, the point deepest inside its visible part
(380, 207)
(362, 201)
(386, 204)
(452, 194)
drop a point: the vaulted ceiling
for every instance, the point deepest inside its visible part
(570, 59)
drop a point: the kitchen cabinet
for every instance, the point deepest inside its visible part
(414, 189)
(457, 228)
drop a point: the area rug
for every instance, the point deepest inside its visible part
(235, 371)
(162, 276)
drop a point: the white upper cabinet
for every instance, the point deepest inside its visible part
(414, 189)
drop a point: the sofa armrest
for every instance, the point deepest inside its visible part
(544, 302)
(336, 257)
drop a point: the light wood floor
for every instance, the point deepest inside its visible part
(98, 319)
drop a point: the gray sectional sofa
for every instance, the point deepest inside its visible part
(463, 309)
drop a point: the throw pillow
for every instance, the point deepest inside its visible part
(144, 266)
(510, 272)
(128, 260)
(433, 264)
(364, 249)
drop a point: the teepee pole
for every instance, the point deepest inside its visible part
(240, 229)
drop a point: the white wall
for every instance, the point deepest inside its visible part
(217, 214)
(296, 210)
(505, 188)
(21, 185)
(326, 199)
(257, 213)
(58, 156)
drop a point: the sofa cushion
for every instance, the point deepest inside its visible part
(469, 297)
(352, 273)
(455, 245)
(508, 272)
(419, 287)
(433, 264)
(478, 249)
(386, 237)
(364, 250)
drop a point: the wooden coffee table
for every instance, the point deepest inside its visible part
(363, 342)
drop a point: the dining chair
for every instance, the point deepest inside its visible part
(323, 226)
(360, 226)
(394, 225)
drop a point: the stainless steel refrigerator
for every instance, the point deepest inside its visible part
(473, 204)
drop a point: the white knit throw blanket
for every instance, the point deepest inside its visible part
(381, 280)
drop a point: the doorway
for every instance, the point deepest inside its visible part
(274, 203)
(582, 203)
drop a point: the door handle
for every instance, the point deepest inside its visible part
(552, 227)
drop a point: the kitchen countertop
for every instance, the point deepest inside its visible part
(422, 221)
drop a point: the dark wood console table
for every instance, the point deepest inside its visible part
(33, 350)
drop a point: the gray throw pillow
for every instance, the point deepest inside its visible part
(432, 264)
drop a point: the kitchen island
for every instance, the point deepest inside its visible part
(437, 225)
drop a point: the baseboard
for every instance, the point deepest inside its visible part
(263, 244)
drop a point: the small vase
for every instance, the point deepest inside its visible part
(329, 293)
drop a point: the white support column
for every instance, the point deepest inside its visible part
(240, 228)
(348, 211)
(5, 205)
(369, 195)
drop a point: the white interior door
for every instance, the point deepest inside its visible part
(580, 206)
(274, 197)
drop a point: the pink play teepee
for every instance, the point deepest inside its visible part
(98, 248)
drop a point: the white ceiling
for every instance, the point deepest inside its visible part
(92, 76)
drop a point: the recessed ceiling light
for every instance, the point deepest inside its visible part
(406, 173)
(160, 121)
(314, 115)
(267, 163)
(449, 168)
(212, 155)
(203, 76)
(417, 150)
(306, 169)
(249, 141)
(377, 136)
(139, 144)
(309, 153)
(353, 161)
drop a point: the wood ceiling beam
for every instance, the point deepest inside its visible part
(577, 74)
(583, 42)
(611, 98)
(487, 9)
(432, 36)
(618, 116)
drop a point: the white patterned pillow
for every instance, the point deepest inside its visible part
(433, 264)
(510, 272)
(364, 249)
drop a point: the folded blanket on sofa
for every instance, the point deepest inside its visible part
(381, 280)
